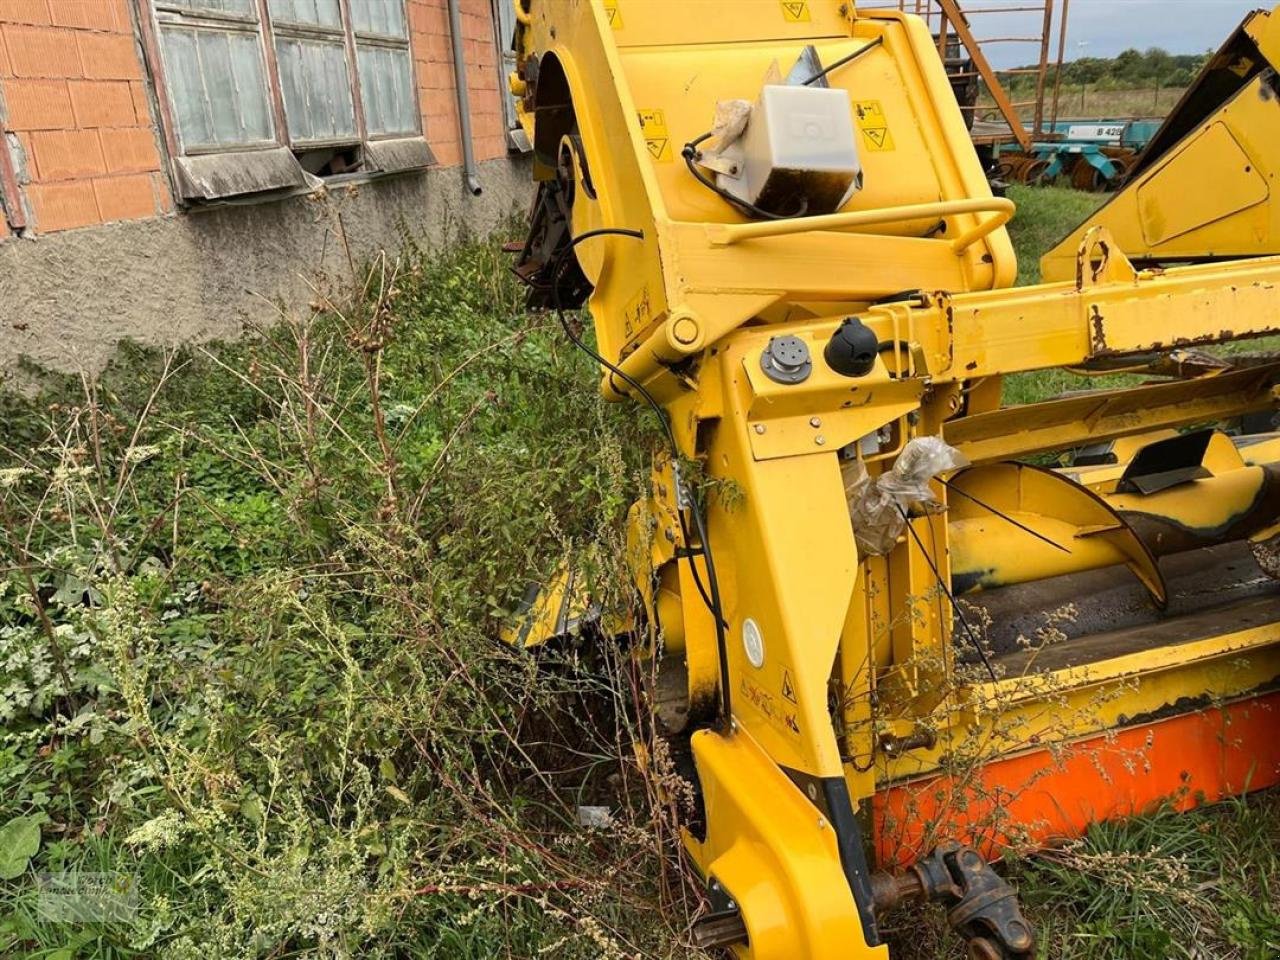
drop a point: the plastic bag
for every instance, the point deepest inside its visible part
(731, 122)
(878, 506)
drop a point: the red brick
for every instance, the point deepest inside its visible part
(42, 52)
(88, 14)
(123, 16)
(5, 69)
(160, 186)
(132, 150)
(38, 105)
(67, 154)
(125, 198)
(419, 18)
(102, 103)
(141, 101)
(62, 206)
(24, 11)
(27, 158)
(107, 56)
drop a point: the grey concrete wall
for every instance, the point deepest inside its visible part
(67, 299)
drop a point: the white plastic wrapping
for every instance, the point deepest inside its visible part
(725, 156)
(877, 507)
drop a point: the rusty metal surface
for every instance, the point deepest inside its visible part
(1089, 417)
(1054, 612)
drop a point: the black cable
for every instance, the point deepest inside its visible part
(711, 599)
(947, 590)
(843, 60)
(691, 156)
(1004, 516)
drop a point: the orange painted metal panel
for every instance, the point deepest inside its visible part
(1045, 796)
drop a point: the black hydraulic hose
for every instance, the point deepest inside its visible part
(711, 594)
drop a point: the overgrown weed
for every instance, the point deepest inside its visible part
(247, 641)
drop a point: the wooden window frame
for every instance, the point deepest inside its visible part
(283, 140)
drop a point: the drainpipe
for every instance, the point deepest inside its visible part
(469, 170)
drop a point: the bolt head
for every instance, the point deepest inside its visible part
(815, 422)
(760, 428)
(819, 440)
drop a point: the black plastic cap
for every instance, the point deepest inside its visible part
(851, 352)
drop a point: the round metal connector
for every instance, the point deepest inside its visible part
(786, 360)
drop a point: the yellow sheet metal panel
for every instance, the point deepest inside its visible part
(775, 855)
(1207, 195)
(642, 23)
(669, 296)
(1167, 209)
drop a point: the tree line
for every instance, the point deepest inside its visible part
(1132, 69)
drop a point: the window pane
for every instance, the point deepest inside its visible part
(386, 90)
(217, 87)
(317, 89)
(320, 12)
(383, 17)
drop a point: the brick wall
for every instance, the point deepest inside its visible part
(433, 61)
(74, 91)
(71, 81)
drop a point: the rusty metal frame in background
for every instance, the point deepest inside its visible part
(943, 16)
(952, 12)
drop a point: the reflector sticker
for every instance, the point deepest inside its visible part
(753, 643)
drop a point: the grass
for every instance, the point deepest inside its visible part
(1045, 215)
(247, 602)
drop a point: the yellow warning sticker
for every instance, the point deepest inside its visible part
(874, 125)
(795, 11)
(615, 16)
(656, 138)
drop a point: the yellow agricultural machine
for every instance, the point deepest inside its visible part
(896, 626)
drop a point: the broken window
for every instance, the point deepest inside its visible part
(257, 94)
(504, 23)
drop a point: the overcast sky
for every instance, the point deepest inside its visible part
(1102, 28)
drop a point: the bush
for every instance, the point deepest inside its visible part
(247, 654)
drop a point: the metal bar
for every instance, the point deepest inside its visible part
(961, 26)
(1062, 44)
(1013, 432)
(727, 234)
(470, 170)
(1029, 9)
(1038, 119)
